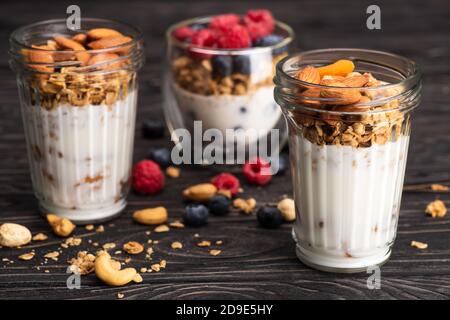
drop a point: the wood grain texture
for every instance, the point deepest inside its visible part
(255, 263)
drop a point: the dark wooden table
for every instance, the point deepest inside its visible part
(255, 263)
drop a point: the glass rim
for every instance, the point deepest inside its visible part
(14, 37)
(408, 79)
(220, 51)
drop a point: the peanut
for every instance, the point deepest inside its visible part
(62, 227)
(151, 216)
(14, 235)
(200, 192)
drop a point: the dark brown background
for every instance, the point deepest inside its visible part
(255, 263)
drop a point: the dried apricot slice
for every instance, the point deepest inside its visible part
(339, 68)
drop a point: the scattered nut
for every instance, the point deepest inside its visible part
(27, 256)
(439, 187)
(177, 224)
(419, 245)
(111, 276)
(287, 208)
(14, 235)
(120, 295)
(436, 209)
(109, 245)
(219, 242)
(62, 227)
(100, 229)
(215, 252)
(133, 247)
(83, 264)
(72, 242)
(176, 245)
(245, 206)
(204, 243)
(200, 192)
(162, 264)
(151, 216)
(89, 227)
(156, 267)
(52, 255)
(40, 237)
(161, 228)
(173, 172)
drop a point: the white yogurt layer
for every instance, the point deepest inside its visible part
(256, 110)
(81, 157)
(347, 201)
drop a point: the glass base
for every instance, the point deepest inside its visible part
(340, 265)
(85, 216)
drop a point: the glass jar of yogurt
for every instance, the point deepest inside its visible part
(348, 113)
(224, 91)
(78, 97)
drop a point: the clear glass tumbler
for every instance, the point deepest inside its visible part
(201, 95)
(79, 107)
(348, 160)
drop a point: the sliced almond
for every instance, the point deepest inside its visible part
(99, 33)
(309, 74)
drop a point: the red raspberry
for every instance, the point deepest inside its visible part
(235, 37)
(147, 177)
(259, 23)
(205, 38)
(224, 21)
(257, 171)
(183, 33)
(226, 181)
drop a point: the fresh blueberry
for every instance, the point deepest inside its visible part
(195, 215)
(161, 156)
(222, 66)
(153, 129)
(270, 40)
(269, 217)
(283, 164)
(241, 64)
(197, 26)
(219, 205)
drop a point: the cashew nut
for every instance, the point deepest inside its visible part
(153, 216)
(62, 227)
(14, 235)
(106, 272)
(287, 208)
(200, 192)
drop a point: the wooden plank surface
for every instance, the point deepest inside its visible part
(255, 263)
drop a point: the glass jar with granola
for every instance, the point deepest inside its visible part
(219, 78)
(78, 96)
(348, 113)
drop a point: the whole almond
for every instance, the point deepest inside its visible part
(309, 74)
(342, 96)
(311, 93)
(42, 56)
(103, 58)
(200, 192)
(151, 216)
(80, 38)
(75, 46)
(99, 33)
(108, 42)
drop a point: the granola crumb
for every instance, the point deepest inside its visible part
(196, 235)
(143, 270)
(219, 242)
(47, 271)
(147, 233)
(176, 245)
(439, 187)
(204, 243)
(83, 263)
(215, 252)
(133, 247)
(246, 206)
(100, 229)
(52, 255)
(109, 245)
(71, 242)
(419, 245)
(89, 227)
(40, 237)
(161, 228)
(173, 172)
(436, 209)
(162, 264)
(120, 295)
(156, 267)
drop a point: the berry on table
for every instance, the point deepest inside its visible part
(226, 181)
(219, 205)
(153, 129)
(257, 171)
(222, 66)
(147, 177)
(161, 156)
(195, 215)
(269, 217)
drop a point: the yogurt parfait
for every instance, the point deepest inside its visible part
(78, 94)
(220, 72)
(348, 113)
